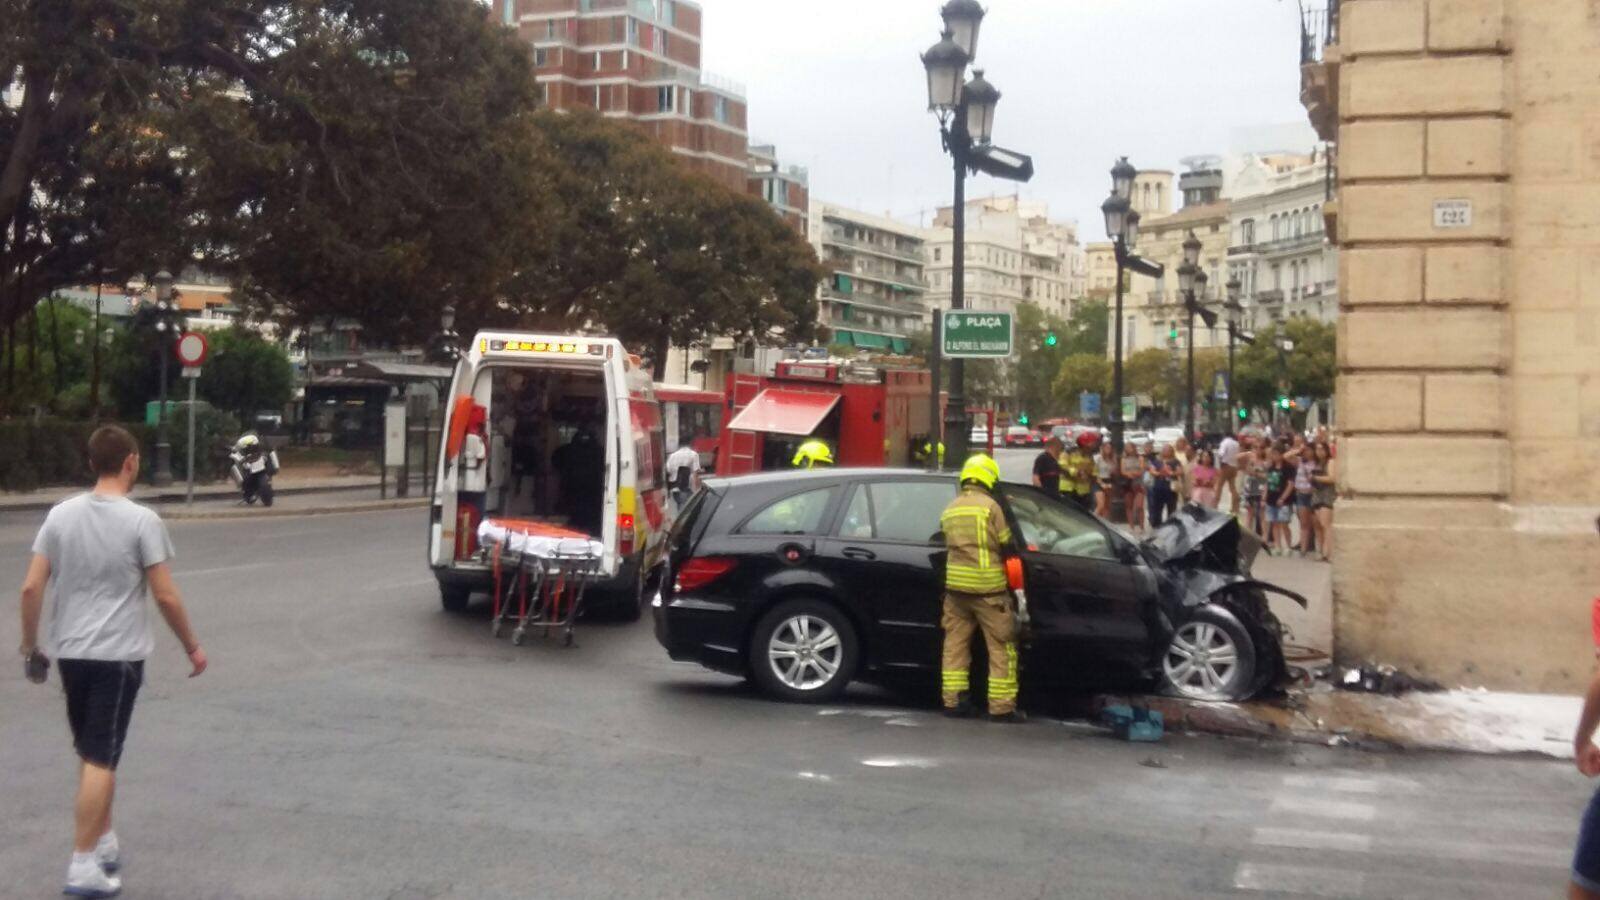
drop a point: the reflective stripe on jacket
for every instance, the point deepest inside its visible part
(1077, 474)
(975, 534)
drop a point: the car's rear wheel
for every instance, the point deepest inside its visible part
(1210, 657)
(804, 651)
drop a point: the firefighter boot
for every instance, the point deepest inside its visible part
(964, 708)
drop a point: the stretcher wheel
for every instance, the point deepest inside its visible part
(517, 637)
(566, 639)
(494, 630)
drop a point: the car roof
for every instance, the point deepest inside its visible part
(823, 475)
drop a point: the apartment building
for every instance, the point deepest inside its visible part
(874, 296)
(1278, 250)
(639, 61)
(786, 188)
(1014, 253)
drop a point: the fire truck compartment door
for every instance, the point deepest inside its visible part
(777, 411)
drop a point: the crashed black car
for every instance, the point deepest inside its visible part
(803, 581)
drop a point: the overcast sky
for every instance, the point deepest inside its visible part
(838, 86)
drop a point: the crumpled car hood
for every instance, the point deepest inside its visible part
(1204, 538)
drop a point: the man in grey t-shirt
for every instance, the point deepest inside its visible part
(97, 556)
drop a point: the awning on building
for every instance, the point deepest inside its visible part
(869, 341)
(844, 337)
(901, 345)
(777, 411)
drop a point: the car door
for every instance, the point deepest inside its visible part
(1083, 595)
(884, 551)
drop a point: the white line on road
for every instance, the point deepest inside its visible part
(1351, 785)
(1328, 809)
(1301, 839)
(219, 569)
(1297, 880)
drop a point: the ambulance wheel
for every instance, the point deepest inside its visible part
(454, 597)
(804, 651)
(627, 604)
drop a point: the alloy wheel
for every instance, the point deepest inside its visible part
(1202, 662)
(805, 652)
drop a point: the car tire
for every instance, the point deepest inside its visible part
(803, 651)
(454, 597)
(1211, 657)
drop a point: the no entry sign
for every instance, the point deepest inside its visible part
(192, 349)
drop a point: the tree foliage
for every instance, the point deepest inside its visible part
(1037, 362)
(1083, 372)
(245, 373)
(1086, 329)
(1310, 368)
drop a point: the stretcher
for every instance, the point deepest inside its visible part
(542, 571)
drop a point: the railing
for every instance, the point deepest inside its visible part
(1269, 297)
(722, 84)
(1319, 27)
(1308, 239)
(915, 256)
(860, 299)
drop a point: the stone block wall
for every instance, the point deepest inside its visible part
(1469, 351)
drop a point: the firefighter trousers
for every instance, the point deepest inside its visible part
(991, 614)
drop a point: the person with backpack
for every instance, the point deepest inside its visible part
(683, 474)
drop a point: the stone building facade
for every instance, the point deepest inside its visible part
(1468, 221)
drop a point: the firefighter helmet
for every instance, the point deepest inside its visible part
(981, 468)
(811, 454)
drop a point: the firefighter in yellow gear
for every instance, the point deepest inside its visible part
(976, 597)
(1077, 471)
(813, 453)
(925, 451)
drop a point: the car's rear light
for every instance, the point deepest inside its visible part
(625, 534)
(701, 571)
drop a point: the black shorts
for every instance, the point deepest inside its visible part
(100, 698)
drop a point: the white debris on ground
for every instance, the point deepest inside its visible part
(1486, 722)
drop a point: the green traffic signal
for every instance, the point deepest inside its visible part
(1283, 402)
(1050, 340)
(1022, 419)
(1244, 413)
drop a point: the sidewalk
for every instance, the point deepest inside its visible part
(338, 493)
(1463, 720)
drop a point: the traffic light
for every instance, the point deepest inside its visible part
(1243, 413)
(1022, 419)
(1172, 332)
(1050, 340)
(1283, 402)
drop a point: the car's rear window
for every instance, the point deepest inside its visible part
(795, 514)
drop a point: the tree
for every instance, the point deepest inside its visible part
(1086, 329)
(638, 245)
(1037, 362)
(245, 373)
(1311, 366)
(1083, 372)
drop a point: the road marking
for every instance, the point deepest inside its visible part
(1297, 880)
(219, 569)
(899, 762)
(1301, 839)
(814, 776)
(1328, 809)
(1351, 785)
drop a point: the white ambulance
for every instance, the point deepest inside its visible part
(563, 429)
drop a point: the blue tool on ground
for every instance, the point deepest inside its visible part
(1133, 723)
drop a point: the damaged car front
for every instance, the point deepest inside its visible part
(1223, 641)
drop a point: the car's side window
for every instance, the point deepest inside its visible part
(795, 514)
(857, 522)
(1051, 527)
(908, 511)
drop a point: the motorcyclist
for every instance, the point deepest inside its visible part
(254, 464)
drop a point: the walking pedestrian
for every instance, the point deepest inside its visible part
(1585, 879)
(1133, 466)
(1324, 493)
(97, 556)
(977, 595)
(1228, 461)
(1204, 476)
(1047, 467)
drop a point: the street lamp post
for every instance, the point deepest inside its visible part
(167, 324)
(1122, 226)
(1235, 311)
(966, 120)
(1191, 285)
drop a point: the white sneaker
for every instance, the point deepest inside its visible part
(85, 878)
(108, 853)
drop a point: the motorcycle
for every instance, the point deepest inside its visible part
(253, 466)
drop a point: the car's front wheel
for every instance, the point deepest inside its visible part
(804, 651)
(1210, 657)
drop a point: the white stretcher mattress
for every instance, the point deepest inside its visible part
(492, 533)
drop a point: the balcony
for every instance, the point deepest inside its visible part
(837, 239)
(890, 304)
(1291, 244)
(1271, 297)
(913, 282)
(1319, 68)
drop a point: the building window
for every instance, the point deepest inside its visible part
(936, 254)
(509, 12)
(597, 96)
(664, 98)
(633, 32)
(719, 109)
(540, 56)
(1247, 232)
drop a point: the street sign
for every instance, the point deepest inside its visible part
(191, 371)
(1452, 213)
(1130, 408)
(1219, 386)
(1088, 405)
(192, 348)
(977, 335)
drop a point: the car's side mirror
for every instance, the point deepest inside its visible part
(936, 539)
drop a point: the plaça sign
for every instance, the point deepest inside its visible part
(977, 335)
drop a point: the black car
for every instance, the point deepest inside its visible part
(803, 581)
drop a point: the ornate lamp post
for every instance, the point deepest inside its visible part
(1235, 311)
(168, 324)
(1122, 227)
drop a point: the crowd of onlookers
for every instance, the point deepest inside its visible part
(1282, 487)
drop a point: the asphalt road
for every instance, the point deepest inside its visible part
(352, 740)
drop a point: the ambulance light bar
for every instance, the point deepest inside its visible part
(496, 346)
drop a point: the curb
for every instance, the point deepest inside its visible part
(178, 515)
(167, 497)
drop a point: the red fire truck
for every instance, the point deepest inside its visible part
(869, 415)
